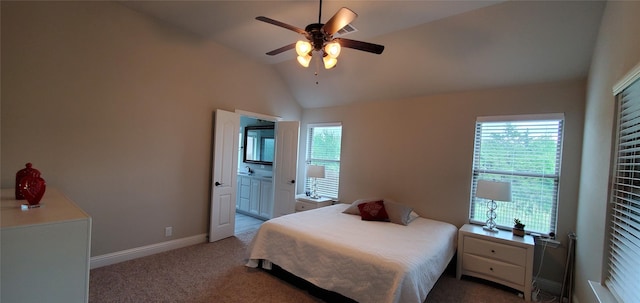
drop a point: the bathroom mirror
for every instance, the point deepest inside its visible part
(259, 145)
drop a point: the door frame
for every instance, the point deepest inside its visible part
(213, 235)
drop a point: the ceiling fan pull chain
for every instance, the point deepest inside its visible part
(317, 70)
(320, 13)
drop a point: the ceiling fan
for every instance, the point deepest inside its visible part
(320, 38)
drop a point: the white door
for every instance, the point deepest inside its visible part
(225, 168)
(285, 167)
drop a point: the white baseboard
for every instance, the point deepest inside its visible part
(143, 251)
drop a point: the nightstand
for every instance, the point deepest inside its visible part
(499, 257)
(306, 203)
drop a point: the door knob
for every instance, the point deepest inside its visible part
(217, 183)
(293, 181)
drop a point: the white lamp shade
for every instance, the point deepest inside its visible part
(493, 190)
(303, 48)
(332, 49)
(304, 60)
(329, 62)
(315, 171)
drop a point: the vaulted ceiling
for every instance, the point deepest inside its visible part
(431, 47)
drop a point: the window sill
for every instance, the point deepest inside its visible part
(602, 293)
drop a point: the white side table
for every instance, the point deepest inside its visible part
(306, 203)
(499, 257)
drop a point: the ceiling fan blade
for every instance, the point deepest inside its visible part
(342, 17)
(359, 45)
(282, 49)
(282, 24)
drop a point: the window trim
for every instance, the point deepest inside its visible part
(308, 160)
(556, 176)
(604, 290)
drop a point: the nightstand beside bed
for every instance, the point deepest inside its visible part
(499, 257)
(304, 202)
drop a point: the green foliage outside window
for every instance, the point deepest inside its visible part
(324, 149)
(527, 154)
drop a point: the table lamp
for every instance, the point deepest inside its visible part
(494, 191)
(314, 172)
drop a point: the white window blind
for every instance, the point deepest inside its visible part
(624, 238)
(324, 143)
(526, 151)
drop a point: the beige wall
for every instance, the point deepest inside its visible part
(419, 151)
(617, 51)
(115, 110)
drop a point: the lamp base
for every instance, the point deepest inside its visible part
(487, 228)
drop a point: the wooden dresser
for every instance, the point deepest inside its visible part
(45, 251)
(499, 257)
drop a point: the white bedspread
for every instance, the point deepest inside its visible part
(363, 260)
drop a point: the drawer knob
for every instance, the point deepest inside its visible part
(493, 251)
(491, 268)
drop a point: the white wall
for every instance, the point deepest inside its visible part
(420, 151)
(116, 109)
(617, 51)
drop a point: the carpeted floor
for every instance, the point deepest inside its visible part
(215, 272)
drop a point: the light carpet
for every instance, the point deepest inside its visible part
(215, 272)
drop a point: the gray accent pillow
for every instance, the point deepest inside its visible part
(398, 213)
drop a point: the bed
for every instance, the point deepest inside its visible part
(367, 261)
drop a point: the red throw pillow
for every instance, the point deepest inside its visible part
(373, 211)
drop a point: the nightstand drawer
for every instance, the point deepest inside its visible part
(306, 203)
(497, 251)
(301, 206)
(503, 271)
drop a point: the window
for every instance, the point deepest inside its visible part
(624, 197)
(526, 151)
(323, 148)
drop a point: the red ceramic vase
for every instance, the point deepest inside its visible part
(32, 188)
(27, 171)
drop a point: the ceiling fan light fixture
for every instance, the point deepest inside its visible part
(332, 49)
(303, 48)
(304, 60)
(320, 38)
(329, 62)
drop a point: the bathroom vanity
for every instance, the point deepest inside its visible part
(255, 195)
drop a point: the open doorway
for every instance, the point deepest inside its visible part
(246, 223)
(254, 198)
(256, 183)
